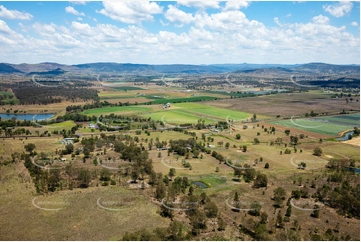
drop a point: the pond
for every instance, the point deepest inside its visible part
(200, 184)
(27, 116)
(345, 137)
(356, 170)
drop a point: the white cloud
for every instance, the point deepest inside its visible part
(354, 24)
(173, 14)
(162, 23)
(275, 19)
(320, 19)
(14, 14)
(71, 10)
(79, 18)
(131, 12)
(339, 9)
(236, 5)
(225, 36)
(78, 2)
(288, 15)
(200, 4)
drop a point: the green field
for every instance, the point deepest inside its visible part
(182, 113)
(177, 117)
(61, 126)
(219, 113)
(331, 125)
(6, 100)
(117, 110)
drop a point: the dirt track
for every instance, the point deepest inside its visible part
(353, 141)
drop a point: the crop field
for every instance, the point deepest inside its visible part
(287, 104)
(331, 125)
(186, 99)
(212, 111)
(117, 110)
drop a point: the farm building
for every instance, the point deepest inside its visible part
(67, 141)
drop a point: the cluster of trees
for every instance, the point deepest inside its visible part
(28, 93)
(199, 207)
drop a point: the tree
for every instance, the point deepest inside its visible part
(244, 148)
(195, 153)
(84, 177)
(221, 224)
(171, 173)
(266, 166)
(317, 151)
(279, 221)
(256, 208)
(279, 195)
(227, 145)
(264, 217)
(211, 210)
(135, 174)
(256, 141)
(217, 169)
(237, 173)
(287, 132)
(289, 211)
(236, 201)
(160, 191)
(104, 175)
(261, 180)
(254, 118)
(249, 174)
(30, 148)
(316, 211)
(69, 148)
(238, 136)
(190, 191)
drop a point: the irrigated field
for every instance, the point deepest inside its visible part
(330, 125)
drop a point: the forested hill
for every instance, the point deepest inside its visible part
(145, 69)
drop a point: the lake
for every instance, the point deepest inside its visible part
(27, 116)
(200, 184)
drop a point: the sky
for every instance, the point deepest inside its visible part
(180, 32)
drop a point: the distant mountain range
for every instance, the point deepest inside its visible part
(48, 68)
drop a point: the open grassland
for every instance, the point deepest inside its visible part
(182, 113)
(177, 117)
(79, 216)
(6, 100)
(287, 104)
(60, 126)
(118, 110)
(330, 125)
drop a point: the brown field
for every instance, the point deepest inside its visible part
(287, 104)
(353, 141)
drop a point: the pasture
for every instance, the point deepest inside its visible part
(118, 110)
(181, 113)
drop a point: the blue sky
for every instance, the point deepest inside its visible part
(180, 32)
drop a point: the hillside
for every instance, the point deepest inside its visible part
(145, 69)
